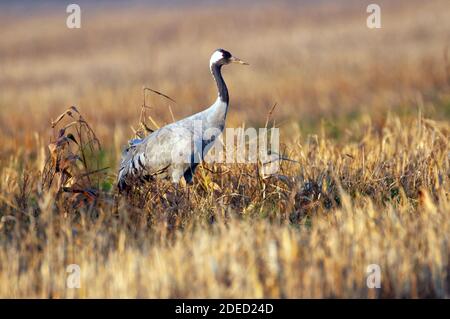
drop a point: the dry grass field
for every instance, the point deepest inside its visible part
(364, 115)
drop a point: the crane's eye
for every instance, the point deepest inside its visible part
(226, 55)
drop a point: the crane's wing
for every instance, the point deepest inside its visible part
(161, 153)
(131, 164)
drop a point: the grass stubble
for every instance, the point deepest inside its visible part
(364, 187)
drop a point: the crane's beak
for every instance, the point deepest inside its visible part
(233, 59)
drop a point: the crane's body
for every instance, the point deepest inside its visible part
(175, 150)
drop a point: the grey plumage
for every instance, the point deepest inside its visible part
(175, 150)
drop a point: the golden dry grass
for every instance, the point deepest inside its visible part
(365, 113)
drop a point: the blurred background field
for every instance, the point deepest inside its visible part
(366, 109)
(317, 61)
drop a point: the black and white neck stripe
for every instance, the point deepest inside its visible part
(216, 70)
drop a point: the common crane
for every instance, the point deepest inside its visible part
(175, 150)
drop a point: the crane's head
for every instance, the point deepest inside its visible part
(222, 57)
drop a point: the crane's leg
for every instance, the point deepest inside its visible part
(189, 173)
(188, 177)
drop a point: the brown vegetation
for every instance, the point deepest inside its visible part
(364, 114)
